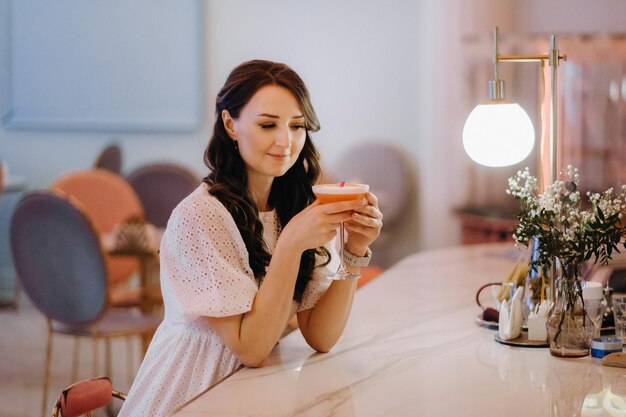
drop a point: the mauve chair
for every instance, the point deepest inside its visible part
(160, 187)
(110, 158)
(389, 172)
(61, 265)
(86, 396)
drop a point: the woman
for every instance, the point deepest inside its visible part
(250, 247)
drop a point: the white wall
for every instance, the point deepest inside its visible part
(40, 156)
(361, 61)
(377, 69)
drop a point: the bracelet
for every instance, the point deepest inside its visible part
(357, 261)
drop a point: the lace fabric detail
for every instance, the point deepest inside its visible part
(204, 272)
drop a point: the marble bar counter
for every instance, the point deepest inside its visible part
(412, 347)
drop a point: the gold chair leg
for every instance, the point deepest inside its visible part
(96, 357)
(46, 378)
(107, 356)
(130, 362)
(107, 368)
(146, 338)
(76, 359)
(144, 304)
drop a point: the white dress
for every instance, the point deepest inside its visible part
(204, 272)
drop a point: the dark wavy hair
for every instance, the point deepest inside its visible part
(228, 178)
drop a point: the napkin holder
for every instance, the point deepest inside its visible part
(537, 329)
(537, 320)
(510, 320)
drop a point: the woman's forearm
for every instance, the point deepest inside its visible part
(322, 325)
(252, 335)
(263, 325)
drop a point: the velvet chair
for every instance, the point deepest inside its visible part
(389, 172)
(61, 264)
(83, 397)
(108, 200)
(160, 187)
(110, 158)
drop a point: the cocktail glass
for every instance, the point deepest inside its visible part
(331, 193)
(595, 312)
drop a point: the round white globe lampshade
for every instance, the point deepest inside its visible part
(498, 135)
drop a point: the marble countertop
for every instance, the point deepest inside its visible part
(412, 347)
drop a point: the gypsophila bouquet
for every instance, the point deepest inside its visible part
(565, 227)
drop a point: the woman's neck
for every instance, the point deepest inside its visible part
(260, 189)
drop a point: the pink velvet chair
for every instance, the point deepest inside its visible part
(160, 187)
(83, 397)
(390, 173)
(110, 158)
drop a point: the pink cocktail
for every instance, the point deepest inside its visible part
(331, 193)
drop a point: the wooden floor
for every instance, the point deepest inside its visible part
(22, 356)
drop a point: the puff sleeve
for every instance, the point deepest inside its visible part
(204, 261)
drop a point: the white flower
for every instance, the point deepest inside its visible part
(556, 214)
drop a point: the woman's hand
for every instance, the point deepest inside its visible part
(364, 226)
(317, 224)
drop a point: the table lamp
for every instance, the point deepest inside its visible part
(499, 132)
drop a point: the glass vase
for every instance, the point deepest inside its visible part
(569, 328)
(533, 288)
(537, 283)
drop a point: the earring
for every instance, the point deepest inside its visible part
(236, 145)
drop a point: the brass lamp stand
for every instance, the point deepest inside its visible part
(496, 98)
(553, 59)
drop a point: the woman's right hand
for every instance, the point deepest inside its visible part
(317, 224)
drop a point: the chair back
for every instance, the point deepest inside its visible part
(85, 396)
(160, 187)
(58, 258)
(110, 158)
(386, 169)
(391, 175)
(108, 200)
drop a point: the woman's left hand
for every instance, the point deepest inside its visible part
(364, 226)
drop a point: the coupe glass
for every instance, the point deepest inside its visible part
(330, 193)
